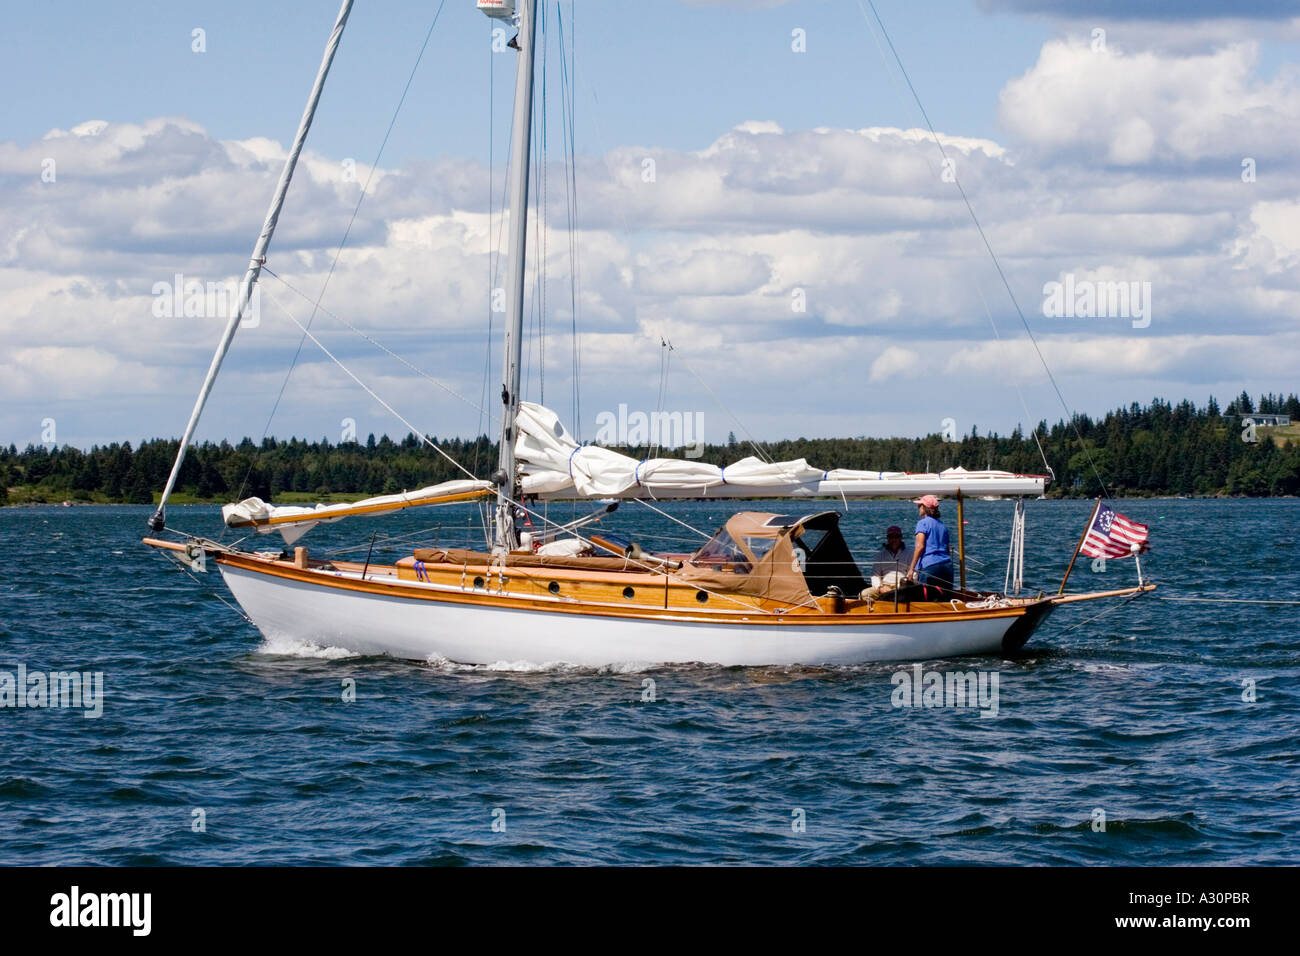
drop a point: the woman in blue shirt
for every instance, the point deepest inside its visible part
(931, 563)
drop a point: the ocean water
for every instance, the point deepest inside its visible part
(1129, 738)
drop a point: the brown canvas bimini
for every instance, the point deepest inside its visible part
(780, 558)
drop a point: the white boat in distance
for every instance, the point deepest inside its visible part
(767, 588)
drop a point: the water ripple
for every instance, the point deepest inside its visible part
(1162, 733)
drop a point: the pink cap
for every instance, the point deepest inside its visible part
(930, 501)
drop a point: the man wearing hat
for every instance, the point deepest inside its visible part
(931, 562)
(892, 556)
(887, 566)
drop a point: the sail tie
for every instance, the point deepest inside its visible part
(722, 473)
(636, 474)
(571, 454)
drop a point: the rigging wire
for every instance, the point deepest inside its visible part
(537, 134)
(540, 178)
(386, 540)
(369, 391)
(753, 443)
(540, 224)
(183, 567)
(660, 511)
(1222, 600)
(1110, 610)
(979, 290)
(568, 102)
(383, 348)
(491, 251)
(365, 190)
(656, 423)
(997, 264)
(540, 516)
(492, 265)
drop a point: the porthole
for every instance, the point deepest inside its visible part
(553, 587)
(702, 597)
(629, 593)
(478, 582)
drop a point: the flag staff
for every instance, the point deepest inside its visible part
(961, 542)
(1086, 528)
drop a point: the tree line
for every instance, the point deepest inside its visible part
(1155, 449)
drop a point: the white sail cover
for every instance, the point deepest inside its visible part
(294, 521)
(555, 466)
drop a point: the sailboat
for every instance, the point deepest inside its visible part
(777, 587)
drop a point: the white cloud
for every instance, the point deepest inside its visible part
(705, 272)
(1191, 360)
(1118, 166)
(1134, 108)
(895, 364)
(61, 373)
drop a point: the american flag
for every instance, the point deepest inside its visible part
(1111, 535)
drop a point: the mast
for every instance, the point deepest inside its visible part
(159, 519)
(506, 479)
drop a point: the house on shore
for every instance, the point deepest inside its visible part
(1260, 420)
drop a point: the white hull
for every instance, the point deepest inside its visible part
(368, 623)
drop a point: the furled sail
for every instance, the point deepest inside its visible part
(556, 466)
(294, 521)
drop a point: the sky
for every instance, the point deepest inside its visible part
(755, 184)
